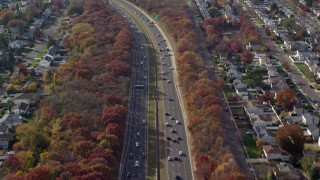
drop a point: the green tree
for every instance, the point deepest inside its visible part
(82, 27)
(313, 174)
(306, 162)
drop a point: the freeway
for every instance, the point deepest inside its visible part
(134, 156)
(177, 151)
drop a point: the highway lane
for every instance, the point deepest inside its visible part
(181, 167)
(134, 156)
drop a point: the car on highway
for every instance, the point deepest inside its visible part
(170, 158)
(167, 124)
(169, 138)
(175, 141)
(181, 153)
(167, 114)
(179, 138)
(129, 174)
(136, 164)
(176, 158)
(131, 155)
(173, 131)
(168, 81)
(138, 134)
(143, 155)
(162, 57)
(178, 177)
(137, 144)
(144, 121)
(171, 118)
(178, 122)
(170, 99)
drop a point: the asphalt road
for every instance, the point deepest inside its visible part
(134, 157)
(179, 166)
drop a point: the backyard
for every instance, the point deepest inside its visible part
(250, 145)
(306, 72)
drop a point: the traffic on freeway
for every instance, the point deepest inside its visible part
(177, 152)
(134, 156)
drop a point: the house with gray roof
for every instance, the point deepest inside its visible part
(264, 134)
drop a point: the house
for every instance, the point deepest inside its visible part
(309, 119)
(4, 129)
(312, 63)
(235, 74)
(303, 55)
(4, 140)
(256, 121)
(264, 134)
(17, 44)
(264, 60)
(22, 108)
(11, 120)
(251, 108)
(313, 131)
(28, 98)
(253, 46)
(286, 171)
(275, 153)
(299, 45)
(241, 89)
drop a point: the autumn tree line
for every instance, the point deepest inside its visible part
(78, 131)
(203, 104)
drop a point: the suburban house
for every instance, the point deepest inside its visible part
(21, 109)
(253, 46)
(11, 120)
(304, 55)
(275, 153)
(312, 63)
(4, 140)
(235, 74)
(264, 134)
(262, 119)
(4, 129)
(241, 89)
(313, 131)
(286, 171)
(28, 98)
(309, 119)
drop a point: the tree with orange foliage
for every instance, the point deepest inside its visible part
(286, 98)
(290, 138)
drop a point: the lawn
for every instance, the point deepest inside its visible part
(317, 86)
(250, 145)
(313, 147)
(306, 72)
(228, 90)
(237, 110)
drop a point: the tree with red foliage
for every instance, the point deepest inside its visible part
(38, 173)
(234, 47)
(119, 68)
(116, 114)
(286, 98)
(246, 56)
(113, 99)
(11, 164)
(23, 69)
(204, 167)
(290, 137)
(83, 148)
(58, 3)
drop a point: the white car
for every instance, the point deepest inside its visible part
(138, 134)
(136, 164)
(178, 122)
(137, 144)
(167, 124)
(180, 153)
(171, 118)
(170, 158)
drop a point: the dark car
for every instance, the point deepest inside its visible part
(129, 174)
(179, 138)
(131, 155)
(169, 138)
(171, 99)
(178, 177)
(176, 158)
(167, 114)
